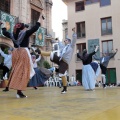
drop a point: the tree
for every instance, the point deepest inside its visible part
(46, 64)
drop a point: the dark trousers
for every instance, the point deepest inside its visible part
(103, 69)
(63, 66)
(4, 68)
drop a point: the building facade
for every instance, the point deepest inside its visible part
(97, 23)
(28, 12)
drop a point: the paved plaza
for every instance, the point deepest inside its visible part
(47, 103)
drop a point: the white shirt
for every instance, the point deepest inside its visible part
(35, 63)
(64, 50)
(7, 59)
(103, 59)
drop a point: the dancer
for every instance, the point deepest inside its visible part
(66, 52)
(64, 59)
(22, 66)
(39, 78)
(41, 74)
(104, 60)
(34, 80)
(88, 74)
(6, 66)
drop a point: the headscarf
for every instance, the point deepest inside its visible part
(18, 27)
(84, 55)
(84, 52)
(18, 34)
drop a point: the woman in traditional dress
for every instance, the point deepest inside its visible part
(39, 78)
(22, 66)
(88, 74)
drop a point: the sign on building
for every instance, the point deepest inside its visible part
(40, 36)
(92, 43)
(9, 21)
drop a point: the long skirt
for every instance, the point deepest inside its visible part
(96, 68)
(38, 79)
(21, 69)
(88, 77)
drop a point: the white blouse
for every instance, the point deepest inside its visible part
(35, 63)
(7, 59)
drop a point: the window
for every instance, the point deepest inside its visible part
(79, 6)
(34, 16)
(90, 1)
(80, 29)
(107, 46)
(106, 26)
(5, 5)
(81, 47)
(105, 2)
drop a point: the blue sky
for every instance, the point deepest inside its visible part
(59, 12)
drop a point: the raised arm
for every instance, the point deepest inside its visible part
(74, 38)
(78, 55)
(33, 29)
(111, 56)
(38, 59)
(96, 49)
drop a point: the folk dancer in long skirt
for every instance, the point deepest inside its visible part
(88, 74)
(39, 78)
(104, 60)
(22, 66)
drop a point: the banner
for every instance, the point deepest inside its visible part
(9, 20)
(40, 36)
(92, 43)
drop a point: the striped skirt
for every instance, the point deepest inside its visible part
(20, 73)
